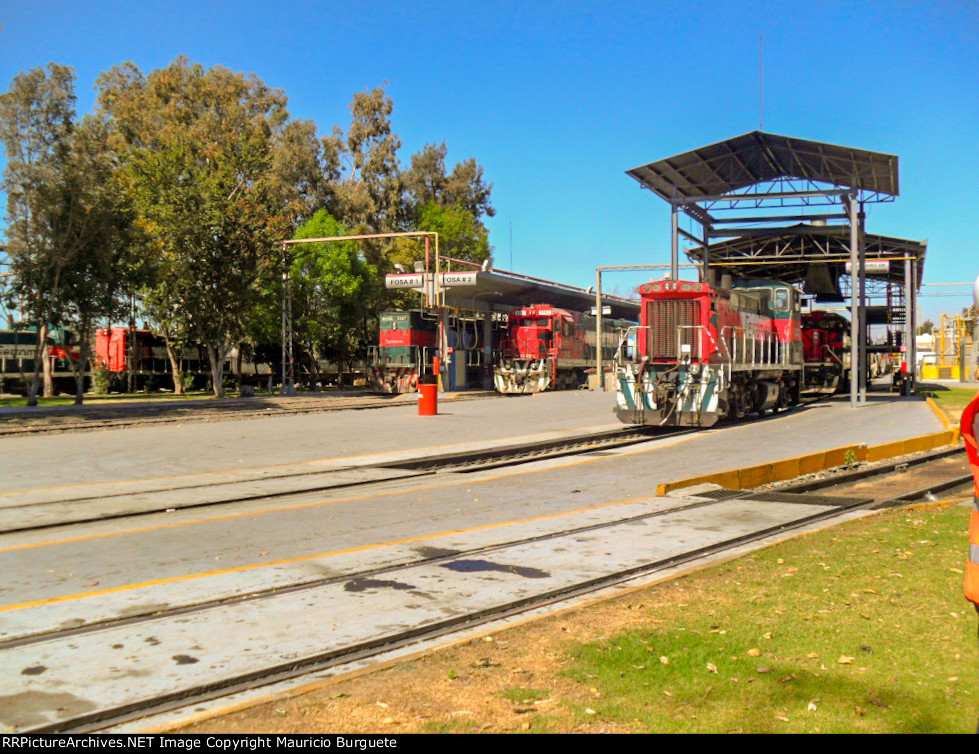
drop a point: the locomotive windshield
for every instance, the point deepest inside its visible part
(539, 322)
(782, 300)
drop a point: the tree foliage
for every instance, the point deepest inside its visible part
(69, 217)
(200, 151)
(331, 287)
(179, 189)
(37, 116)
(461, 235)
(96, 223)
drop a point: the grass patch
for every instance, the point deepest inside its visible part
(952, 400)
(95, 400)
(859, 628)
(520, 695)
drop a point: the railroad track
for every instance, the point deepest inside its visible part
(107, 416)
(433, 592)
(30, 510)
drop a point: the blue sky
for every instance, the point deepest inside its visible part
(557, 99)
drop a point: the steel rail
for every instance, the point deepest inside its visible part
(459, 462)
(364, 650)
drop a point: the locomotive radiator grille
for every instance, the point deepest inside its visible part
(664, 320)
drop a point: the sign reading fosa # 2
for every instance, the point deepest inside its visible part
(458, 278)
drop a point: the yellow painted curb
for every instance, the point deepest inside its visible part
(790, 468)
(943, 417)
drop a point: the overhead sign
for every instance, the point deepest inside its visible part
(458, 278)
(875, 266)
(404, 281)
(416, 281)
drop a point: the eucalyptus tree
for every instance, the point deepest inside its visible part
(95, 223)
(202, 150)
(37, 116)
(451, 204)
(69, 222)
(427, 181)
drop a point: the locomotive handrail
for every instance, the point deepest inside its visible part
(735, 354)
(679, 339)
(619, 358)
(764, 349)
(418, 357)
(727, 359)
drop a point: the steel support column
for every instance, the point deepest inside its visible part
(598, 328)
(674, 242)
(488, 351)
(445, 358)
(909, 328)
(851, 206)
(913, 345)
(862, 350)
(706, 273)
(288, 386)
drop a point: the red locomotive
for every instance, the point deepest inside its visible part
(548, 348)
(702, 353)
(826, 351)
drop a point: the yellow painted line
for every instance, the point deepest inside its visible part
(303, 558)
(301, 506)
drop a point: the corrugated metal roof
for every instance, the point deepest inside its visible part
(759, 157)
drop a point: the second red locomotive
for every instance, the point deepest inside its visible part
(826, 351)
(549, 348)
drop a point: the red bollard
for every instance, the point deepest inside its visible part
(428, 392)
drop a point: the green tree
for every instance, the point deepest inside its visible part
(331, 287)
(427, 181)
(371, 189)
(95, 222)
(36, 120)
(201, 148)
(461, 235)
(451, 204)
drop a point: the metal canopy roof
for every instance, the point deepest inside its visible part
(502, 291)
(812, 255)
(760, 157)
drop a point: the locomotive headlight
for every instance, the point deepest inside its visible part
(695, 369)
